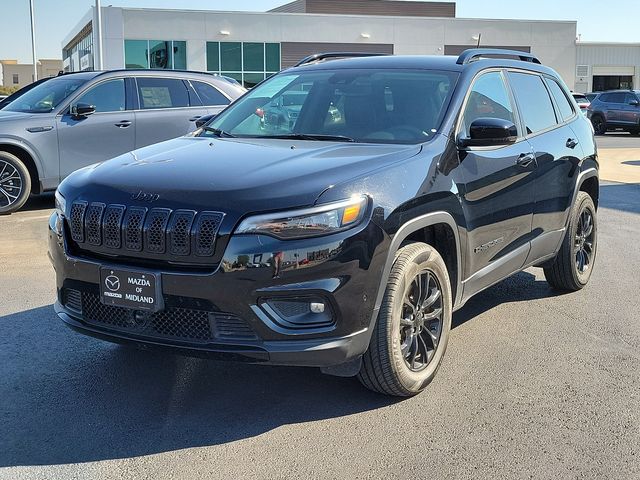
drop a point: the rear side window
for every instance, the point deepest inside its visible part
(488, 98)
(617, 97)
(534, 101)
(162, 93)
(564, 105)
(209, 95)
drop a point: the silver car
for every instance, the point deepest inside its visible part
(79, 119)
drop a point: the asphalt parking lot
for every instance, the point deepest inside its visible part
(534, 385)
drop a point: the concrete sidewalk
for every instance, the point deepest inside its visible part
(620, 164)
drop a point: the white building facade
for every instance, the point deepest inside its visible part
(250, 46)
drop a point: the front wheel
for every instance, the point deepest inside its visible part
(572, 267)
(411, 335)
(15, 183)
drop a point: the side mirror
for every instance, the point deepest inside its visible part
(203, 120)
(82, 110)
(490, 132)
(635, 103)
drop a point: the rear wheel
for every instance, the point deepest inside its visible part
(634, 131)
(15, 183)
(411, 335)
(599, 125)
(573, 265)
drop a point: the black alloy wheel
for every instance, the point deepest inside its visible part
(572, 267)
(584, 241)
(410, 337)
(421, 321)
(599, 125)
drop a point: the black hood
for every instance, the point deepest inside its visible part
(235, 176)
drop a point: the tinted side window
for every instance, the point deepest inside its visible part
(604, 97)
(106, 97)
(629, 97)
(534, 101)
(209, 94)
(617, 97)
(564, 105)
(488, 98)
(162, 93)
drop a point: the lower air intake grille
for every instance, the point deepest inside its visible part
(182, 324)
(72, 299)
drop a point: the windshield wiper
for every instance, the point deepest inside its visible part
(217, 132)
(311, 136)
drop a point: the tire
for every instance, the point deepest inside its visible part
(572, 267)
(399, 341)
(634, 131)
(15, 183)
(599, 125)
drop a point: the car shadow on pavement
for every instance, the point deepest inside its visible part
(620, 196)
(520, 287)
(67, 398)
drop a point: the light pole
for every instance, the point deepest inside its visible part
(33, 42)
(99, 35)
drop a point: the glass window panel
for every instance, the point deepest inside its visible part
(209, 94)
(180, 55)
(253, 57)
(213, 57)
(534, 101)
(237, 76)
(162, 93)
(252, 79)
(564, 105)
(272, 51)
(160, 54)
(106, 97)
(231, 58)
(488, 99)
(135, 54)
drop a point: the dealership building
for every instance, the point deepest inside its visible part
(250, 46)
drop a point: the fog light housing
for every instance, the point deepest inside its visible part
(311, 314)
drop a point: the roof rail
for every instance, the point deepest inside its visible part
(318, 57)
(472, 54)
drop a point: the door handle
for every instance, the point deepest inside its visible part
(193, 119)
(123, 124)
(572, 142)
(525, 159)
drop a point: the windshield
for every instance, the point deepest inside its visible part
(378, 106)
(46, 96)
(581, 99)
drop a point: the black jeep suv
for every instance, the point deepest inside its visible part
(345, 238)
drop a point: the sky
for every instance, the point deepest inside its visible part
(54, 19)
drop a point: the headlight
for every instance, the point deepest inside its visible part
(309, 222)
(61, 203)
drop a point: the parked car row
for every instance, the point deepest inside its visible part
(615, 110)
(58, 125)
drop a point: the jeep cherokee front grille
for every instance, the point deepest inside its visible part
(139, 232)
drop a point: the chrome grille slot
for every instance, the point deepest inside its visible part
(112, 225)
(180, 232)
(132, 228)
(207, 225)
(76, 222)
(155, 229)
(93, 223)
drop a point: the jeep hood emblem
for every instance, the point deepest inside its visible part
(145, 196)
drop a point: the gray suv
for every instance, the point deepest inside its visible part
(79, 119)
(618, 109)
